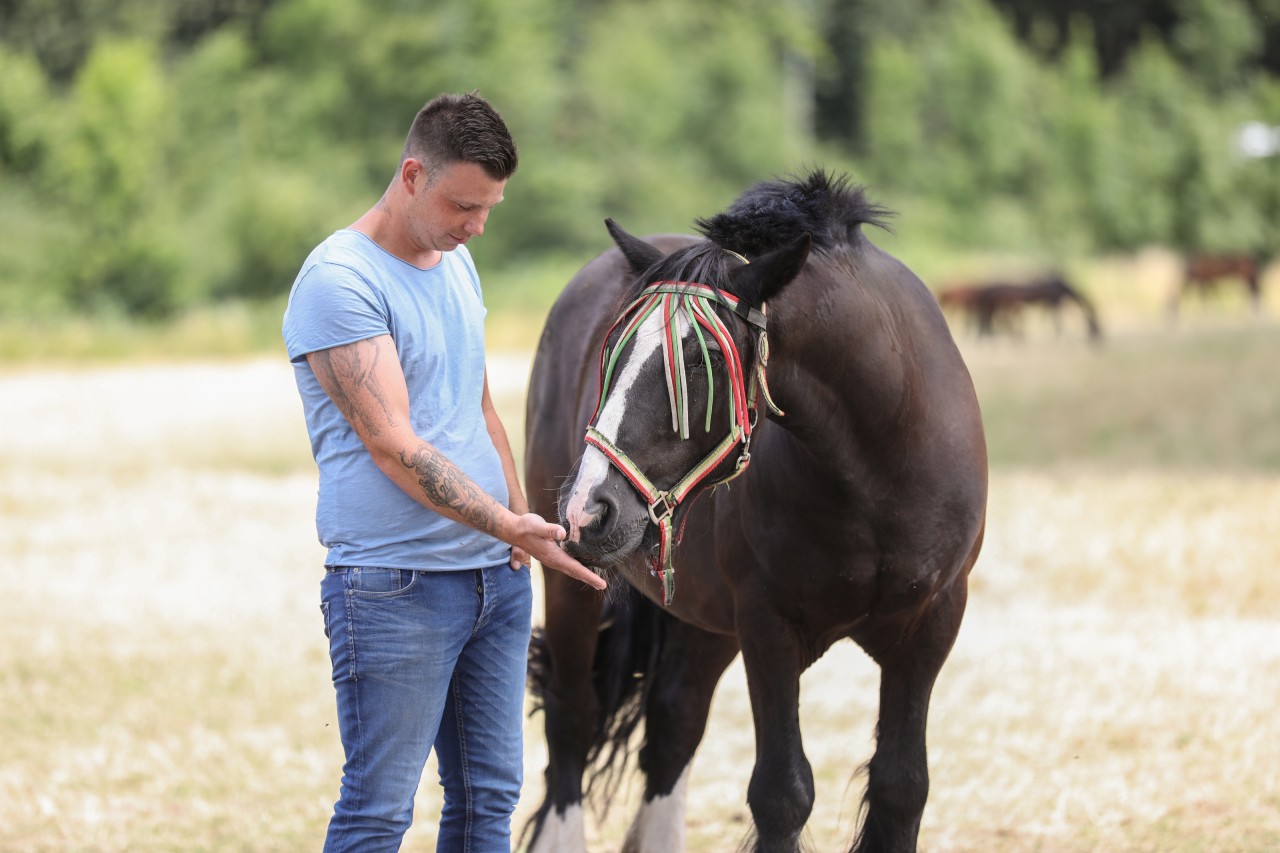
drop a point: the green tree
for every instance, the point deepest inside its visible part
(951, 115)
(108, 168)
(155, 157)
(1219, 42)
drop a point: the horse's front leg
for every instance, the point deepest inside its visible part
(570, 708)
(676, 709)
(781, 792)
(898, 774)
(1253, 281)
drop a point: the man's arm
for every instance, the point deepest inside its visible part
(366, 383)
(517, 501)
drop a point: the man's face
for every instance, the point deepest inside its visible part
(449, 211)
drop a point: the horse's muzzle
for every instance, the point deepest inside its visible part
(605, 525)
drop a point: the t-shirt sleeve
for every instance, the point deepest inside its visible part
(331, 305)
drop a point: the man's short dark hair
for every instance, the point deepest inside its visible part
(462, 129)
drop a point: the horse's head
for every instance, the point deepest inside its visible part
(681, 376)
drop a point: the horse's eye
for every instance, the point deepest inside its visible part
(714, 357)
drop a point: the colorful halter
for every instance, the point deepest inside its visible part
(697, 304)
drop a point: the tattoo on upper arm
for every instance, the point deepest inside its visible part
(348, 374)
(444, 484)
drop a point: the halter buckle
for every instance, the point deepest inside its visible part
(667, 509)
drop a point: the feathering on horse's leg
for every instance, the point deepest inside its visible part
(676, 710)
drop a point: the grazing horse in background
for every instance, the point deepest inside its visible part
(986, 304)
(1204, 272)
(785, 339)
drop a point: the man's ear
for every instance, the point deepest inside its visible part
(410, 170)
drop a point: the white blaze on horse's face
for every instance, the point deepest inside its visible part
(595, 466)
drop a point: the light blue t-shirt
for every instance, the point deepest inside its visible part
(351, 289)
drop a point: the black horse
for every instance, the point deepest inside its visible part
(989, 304)
(787, 340)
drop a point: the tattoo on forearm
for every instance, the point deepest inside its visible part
(444, 484)
(343, 367)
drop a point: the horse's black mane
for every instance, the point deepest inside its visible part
(767, 216)
(774, 213)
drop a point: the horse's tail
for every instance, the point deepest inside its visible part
(627, 651)
(628, 646)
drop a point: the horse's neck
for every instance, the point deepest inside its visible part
(846, 367)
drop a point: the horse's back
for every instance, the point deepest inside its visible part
(1207, 267)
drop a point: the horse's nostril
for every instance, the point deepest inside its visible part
(588, 515)
(602, 512)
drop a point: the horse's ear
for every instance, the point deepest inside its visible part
(762, 279)
(639, 254)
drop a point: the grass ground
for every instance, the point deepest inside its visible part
(163, 681)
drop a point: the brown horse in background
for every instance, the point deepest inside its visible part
(1000, 304)
(1203, 273)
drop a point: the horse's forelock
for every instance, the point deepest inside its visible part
(773, 213)
(702, 263)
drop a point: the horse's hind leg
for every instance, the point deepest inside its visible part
(676, 709)
(898, 774)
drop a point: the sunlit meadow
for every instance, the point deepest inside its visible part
(164, 683)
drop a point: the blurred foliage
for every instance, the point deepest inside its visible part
(156, 158)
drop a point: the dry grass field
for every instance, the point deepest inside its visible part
(164, 684)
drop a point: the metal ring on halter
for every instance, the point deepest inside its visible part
(668, 507)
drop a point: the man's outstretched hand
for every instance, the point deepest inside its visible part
(541, 539)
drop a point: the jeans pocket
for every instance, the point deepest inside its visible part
(380, 583)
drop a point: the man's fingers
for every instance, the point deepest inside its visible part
(588, 577)
(576, 570)
(542, 528)
(553, 556)
(519, 558)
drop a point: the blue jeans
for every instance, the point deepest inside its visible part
(423, 659)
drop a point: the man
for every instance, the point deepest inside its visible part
(426, 607)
